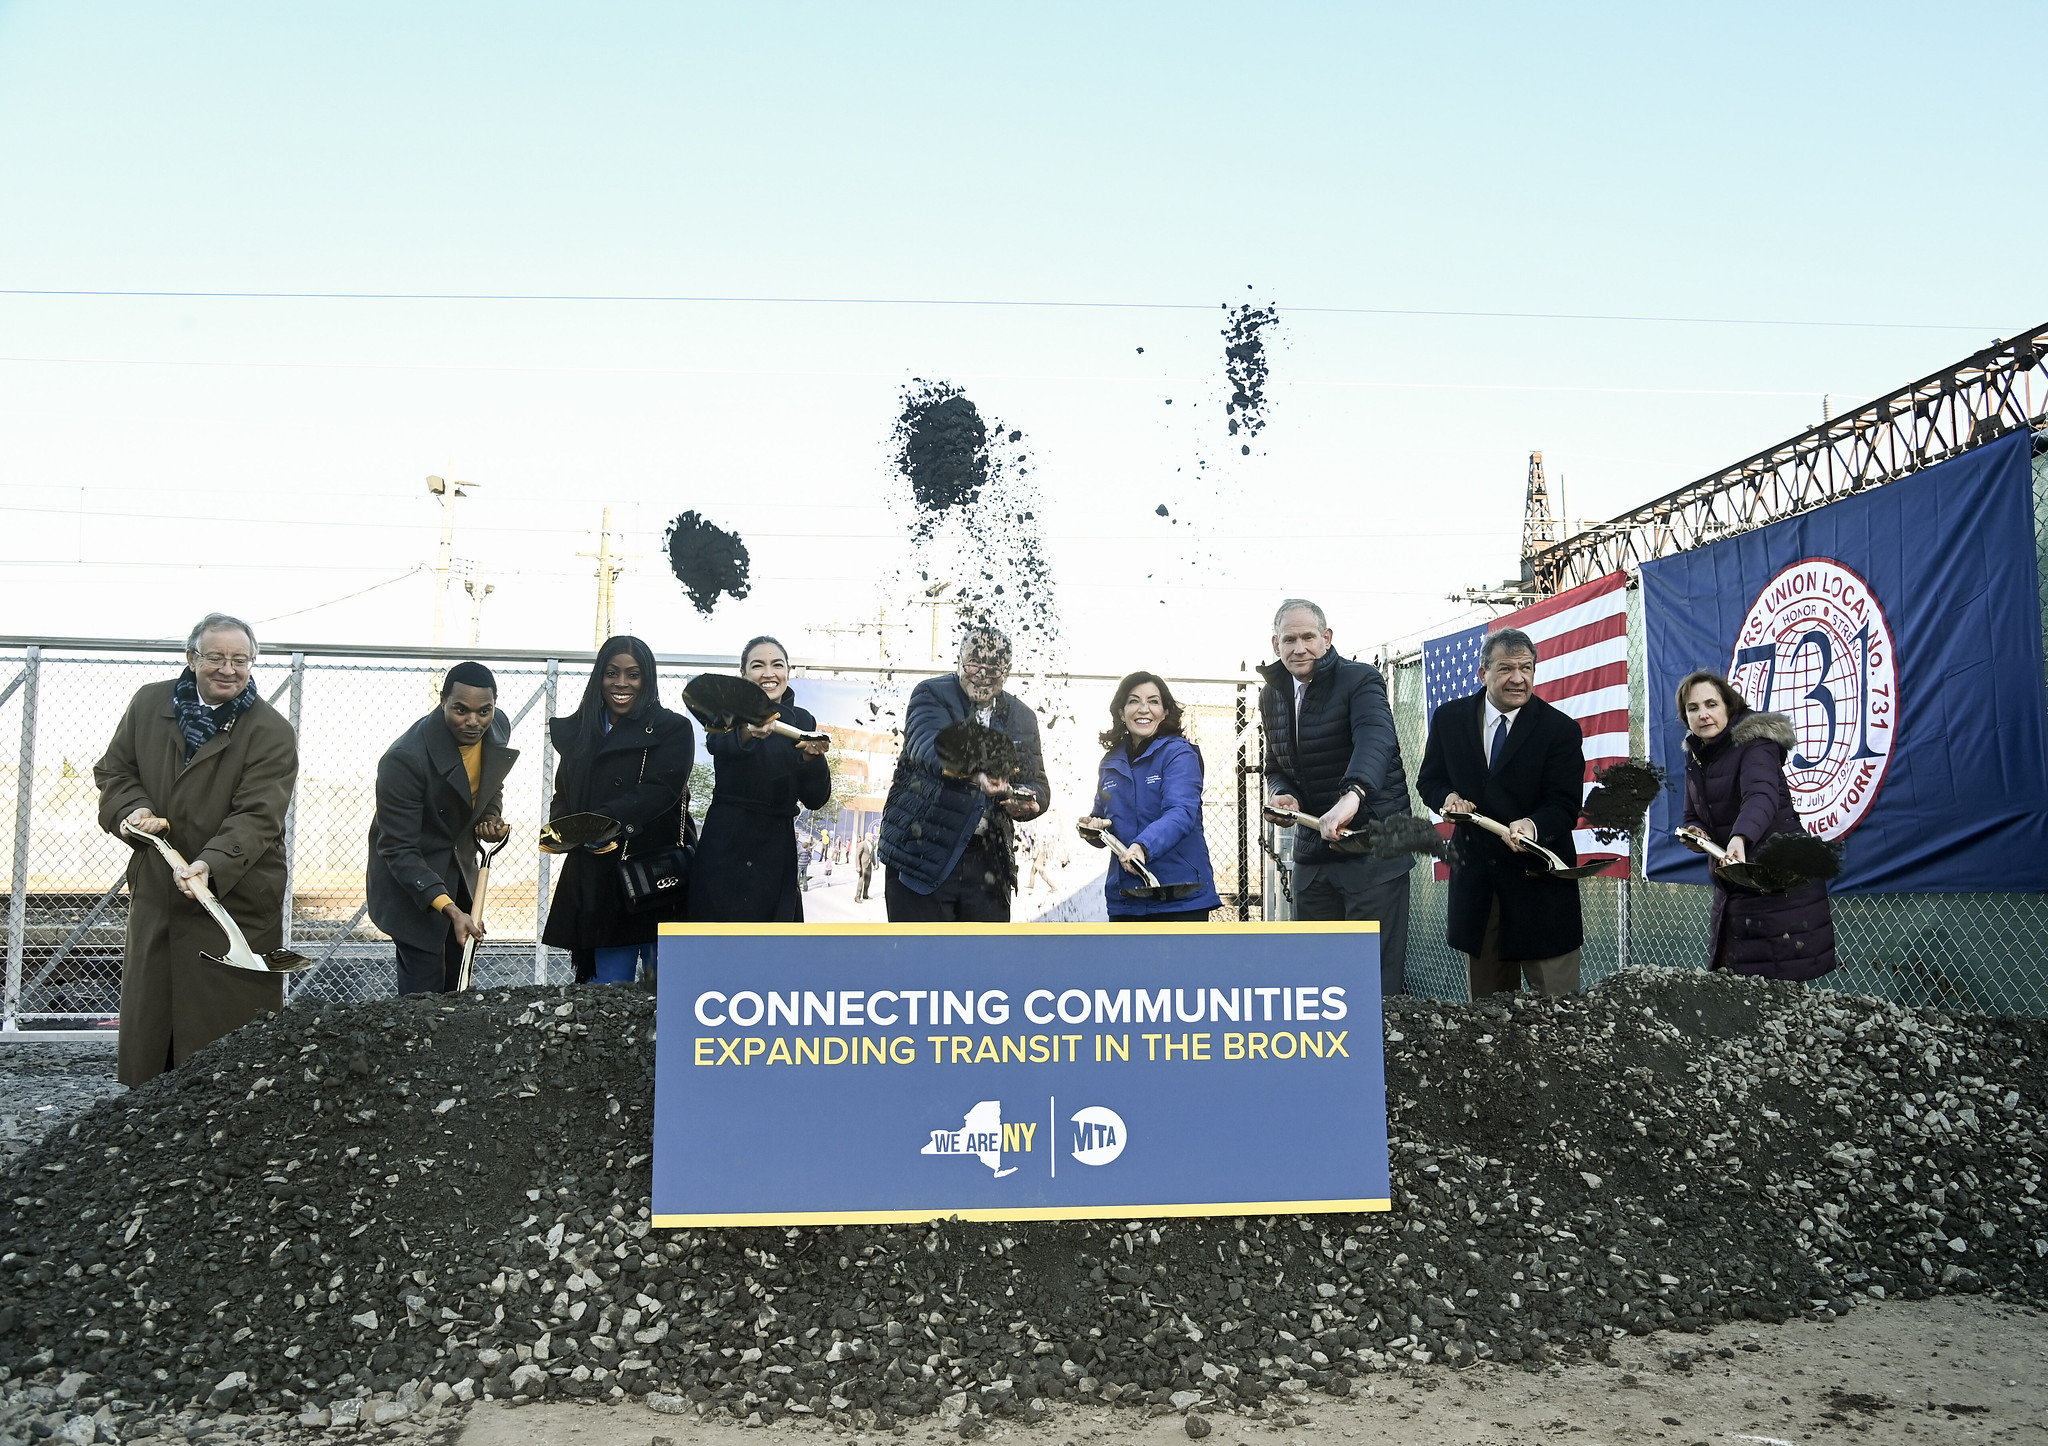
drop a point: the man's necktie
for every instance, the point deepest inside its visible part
(1500, 743)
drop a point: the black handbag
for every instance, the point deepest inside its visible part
(657, 883)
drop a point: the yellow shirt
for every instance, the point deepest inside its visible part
(473, 765)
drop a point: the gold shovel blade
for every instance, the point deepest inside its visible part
(277, 961)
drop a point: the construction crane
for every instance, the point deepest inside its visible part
(1537, 532)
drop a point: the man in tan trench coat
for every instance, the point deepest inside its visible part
(205, 761)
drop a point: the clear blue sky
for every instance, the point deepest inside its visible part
(1827, 163)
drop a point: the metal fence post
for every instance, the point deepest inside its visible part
(1244, 862)
(291, 809)
(1621, 921)
(24, 799)
(547, 796)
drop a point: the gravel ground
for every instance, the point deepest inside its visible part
(1953, 1370)
(374, 1212)
(44, 1085)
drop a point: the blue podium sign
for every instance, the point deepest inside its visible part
(841, 1074)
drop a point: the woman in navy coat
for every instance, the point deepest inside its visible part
(1735, 792)
(1149, 794)
(745, 871)
(627, 757)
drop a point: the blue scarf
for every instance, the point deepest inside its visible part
(197, 721)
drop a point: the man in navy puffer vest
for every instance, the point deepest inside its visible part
(947, 845)
(1331, 750)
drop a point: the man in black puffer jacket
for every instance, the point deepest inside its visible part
(1331, 750)
(947, 843)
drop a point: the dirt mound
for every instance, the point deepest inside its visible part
(440, 1199)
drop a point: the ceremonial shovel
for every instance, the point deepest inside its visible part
(239, 955)
(1153, 889)
(1733, 873)
(483, 889)
(721, 702)
(1783, 862)
(967, 748)
(574, 831)
(1351, 841)
(1360, 839)
(1383, 838)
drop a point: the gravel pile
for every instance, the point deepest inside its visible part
(371, 1212)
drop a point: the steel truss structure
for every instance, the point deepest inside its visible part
(1983, 397)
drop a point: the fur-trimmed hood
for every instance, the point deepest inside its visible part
(1774, 726)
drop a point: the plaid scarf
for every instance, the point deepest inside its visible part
(197, 721)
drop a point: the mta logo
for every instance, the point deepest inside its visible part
(1099, 1135)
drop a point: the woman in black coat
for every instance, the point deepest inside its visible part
(626, 757)
(746, 868)
(1735, 793)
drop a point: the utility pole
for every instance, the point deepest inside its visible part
(935, 598)
(478, 590)
(609, 565)
(447, 492)
(835, 631)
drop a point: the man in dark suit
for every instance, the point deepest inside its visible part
(948, 846)
(439, 790)
(1331, 750)
(1507, 754)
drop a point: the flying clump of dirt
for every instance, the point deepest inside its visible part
(943, 451)
(1245, 366)
(974, 519)
(707, 560)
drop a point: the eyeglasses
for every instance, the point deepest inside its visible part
(239, 661)
(986, 670)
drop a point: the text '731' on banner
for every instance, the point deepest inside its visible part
(819, 1074)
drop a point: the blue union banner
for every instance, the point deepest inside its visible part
(810, 1074)
(1900, 632)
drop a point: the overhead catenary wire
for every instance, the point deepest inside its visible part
(783, 373)
(832, 535)
(656, 298)
(345, 597)
(1147, 587)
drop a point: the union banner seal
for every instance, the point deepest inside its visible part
(1815, 646)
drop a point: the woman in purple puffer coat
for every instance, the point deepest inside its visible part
(1735, 793)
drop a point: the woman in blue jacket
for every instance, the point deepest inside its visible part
(1149, 794)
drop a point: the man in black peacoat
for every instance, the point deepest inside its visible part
(1505, 753)
(439, 790)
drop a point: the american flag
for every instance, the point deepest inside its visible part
(1582, 669)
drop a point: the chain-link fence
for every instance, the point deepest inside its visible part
(66, 901)
(1986, 952)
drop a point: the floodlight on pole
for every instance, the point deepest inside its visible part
(447, 491)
